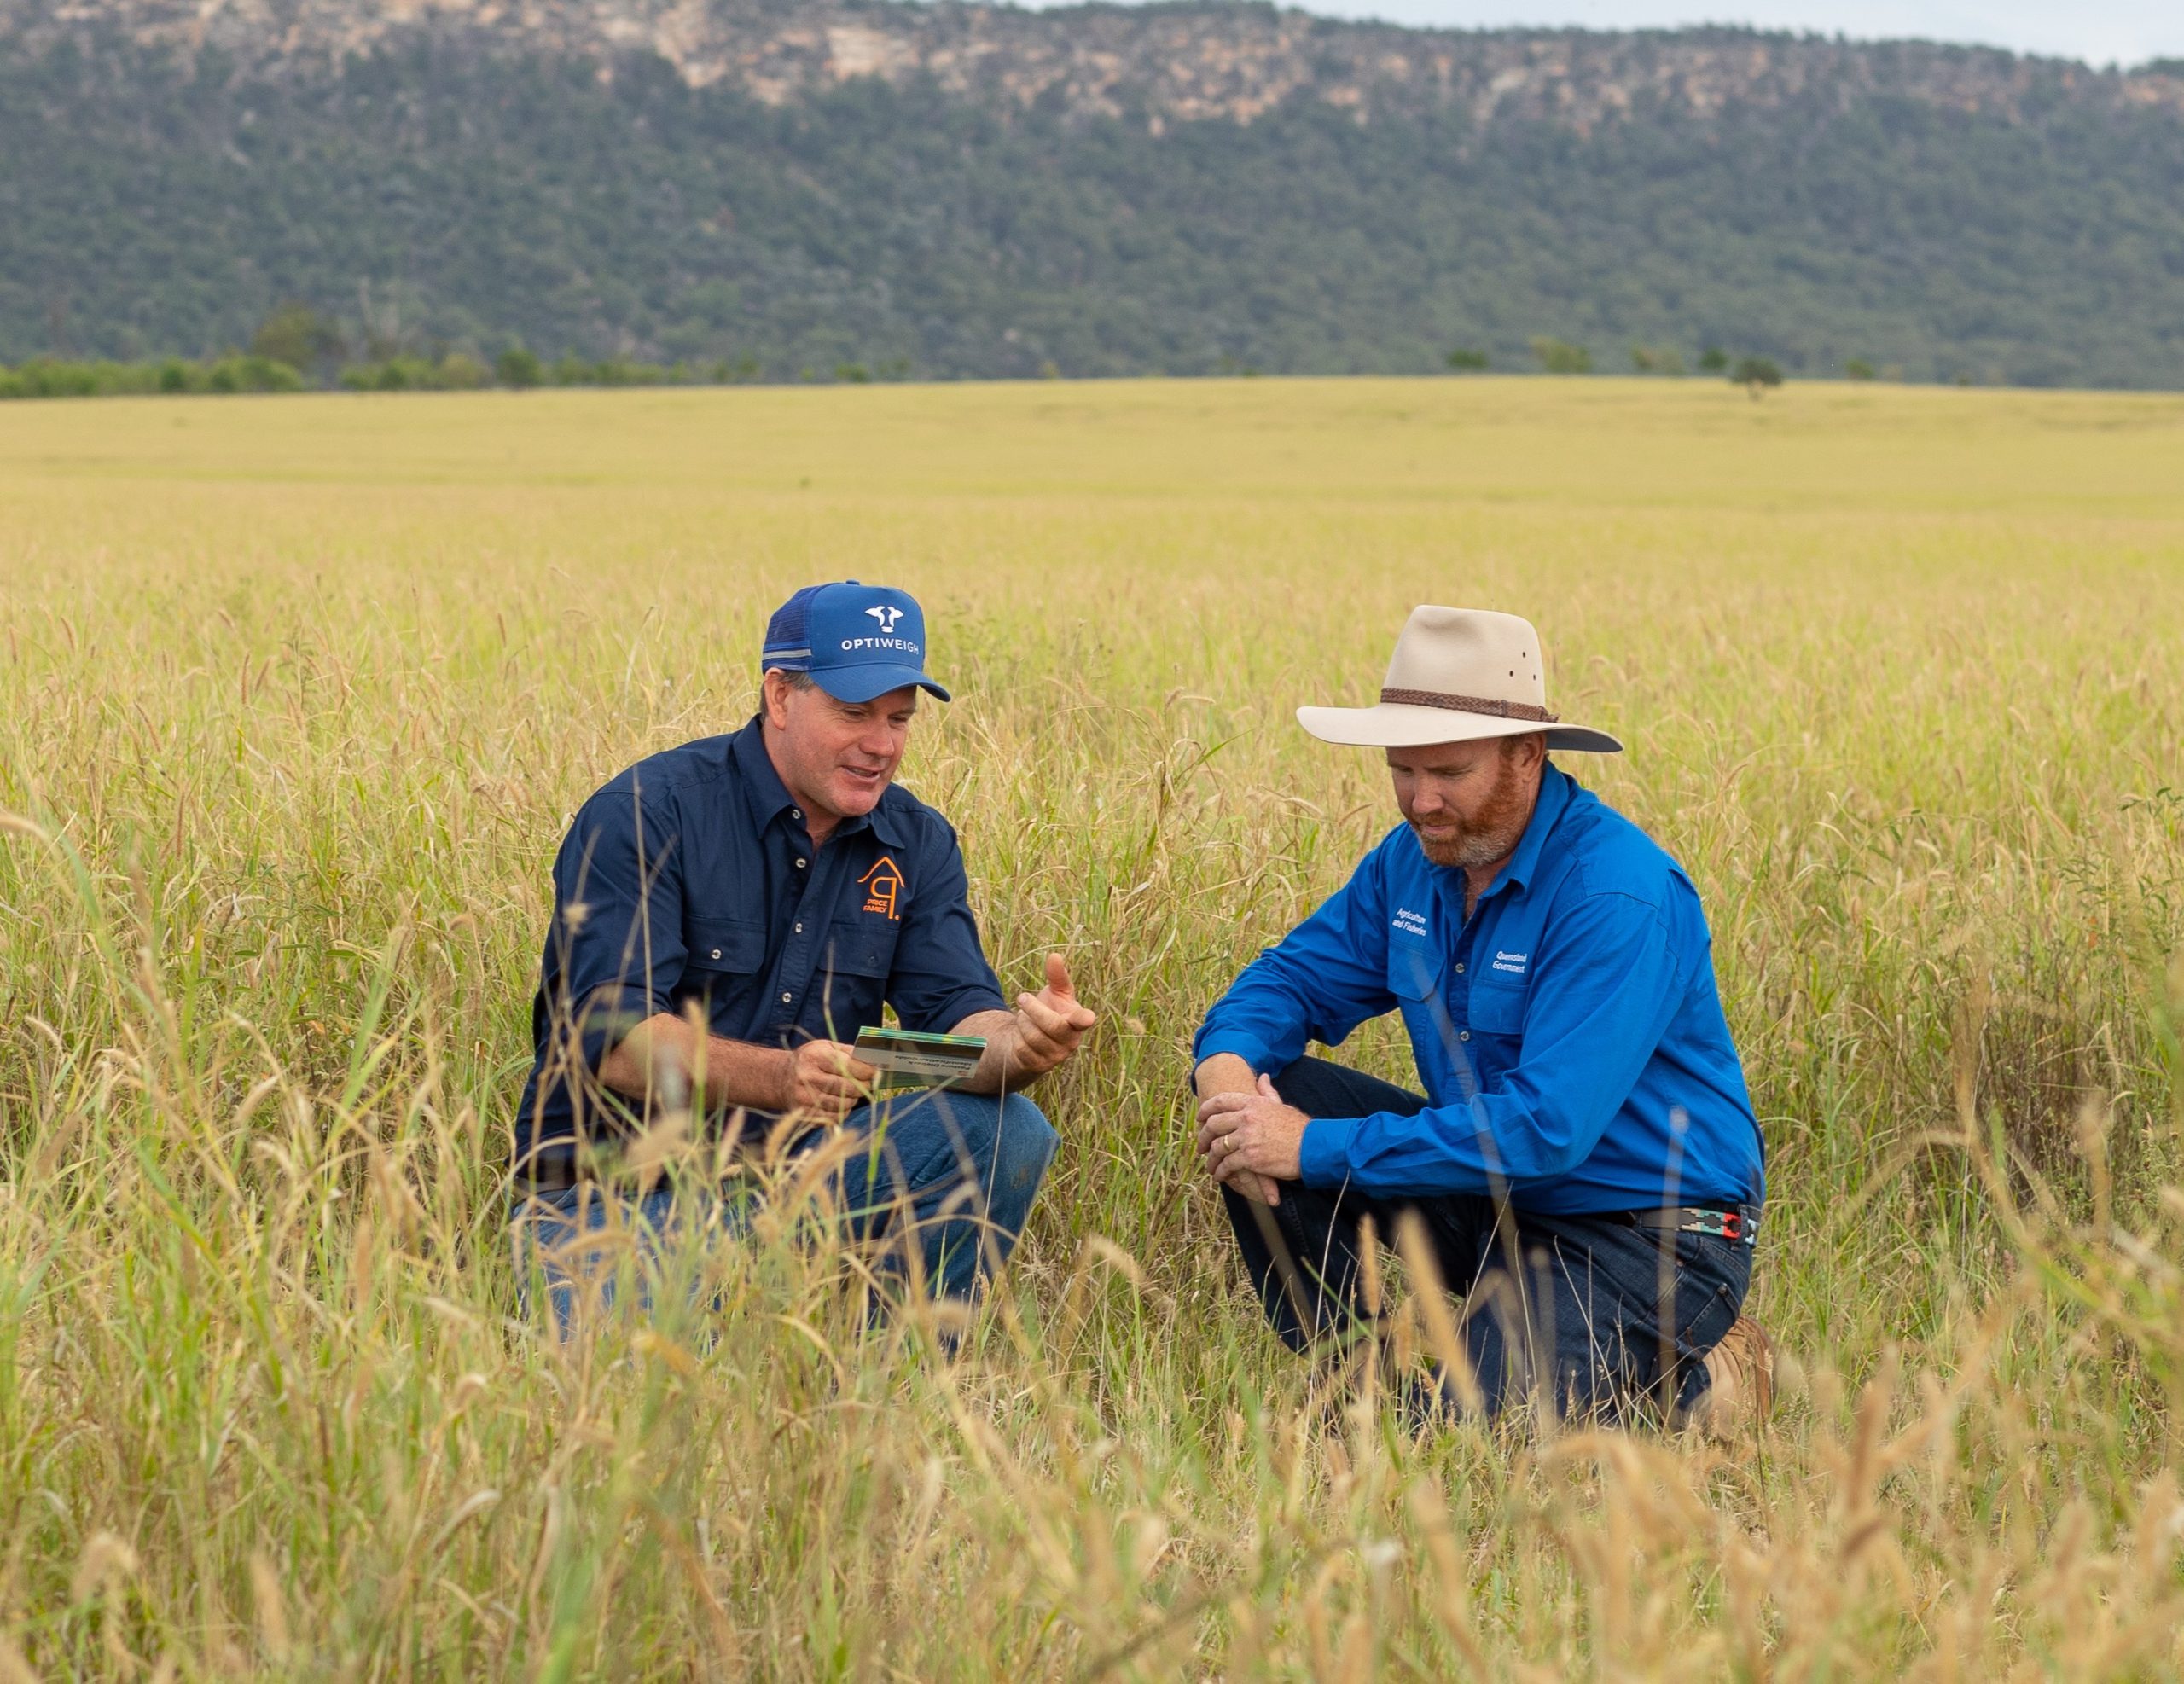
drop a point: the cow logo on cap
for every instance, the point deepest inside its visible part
(886, 617)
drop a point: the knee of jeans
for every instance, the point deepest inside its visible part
(1024, 1144)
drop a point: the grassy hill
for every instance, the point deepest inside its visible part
(1250, 191)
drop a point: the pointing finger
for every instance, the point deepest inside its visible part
(1043, 1016)
(1058, 982)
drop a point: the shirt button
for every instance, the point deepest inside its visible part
(799, 865)
(716, 953)
(1460, 969)
(800, 929)
(796, 813)
(784, 999)
(1462, 1034)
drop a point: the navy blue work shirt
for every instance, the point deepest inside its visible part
(691, 878)
(1568, 1033)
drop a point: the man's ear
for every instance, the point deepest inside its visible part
(773, 699)
(1529, 750)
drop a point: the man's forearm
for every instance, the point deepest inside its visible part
(661, 1054)
(996, 1070)
(1224, 1073)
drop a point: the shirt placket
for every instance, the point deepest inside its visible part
(815, 876)
(1455, 987)
(799, 917)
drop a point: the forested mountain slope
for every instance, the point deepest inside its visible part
(972, 190)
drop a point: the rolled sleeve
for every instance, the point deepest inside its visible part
(617, 920)
(1604, 992)
(941, 975)
(1320, 981)
(1245, 1045)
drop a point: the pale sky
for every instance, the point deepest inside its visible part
(2099, 31)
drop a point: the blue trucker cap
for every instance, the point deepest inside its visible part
(857, 640)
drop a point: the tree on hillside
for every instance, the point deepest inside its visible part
(1754, 374)
(1560, 356)
(1466, 360)
(519, 368)
(298, 335)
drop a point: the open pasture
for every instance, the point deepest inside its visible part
(295, 697)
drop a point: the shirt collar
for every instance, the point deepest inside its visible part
(1554, 786)
(770, 799)
(770, 796)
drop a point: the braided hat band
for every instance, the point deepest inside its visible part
(1491, 704)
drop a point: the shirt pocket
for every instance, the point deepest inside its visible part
(1497, 1007)
(1414, 972)
(716, 949)
(859, 947)
(852, 972)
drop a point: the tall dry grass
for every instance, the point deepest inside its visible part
(295, 697)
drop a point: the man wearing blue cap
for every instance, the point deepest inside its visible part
(776, 887)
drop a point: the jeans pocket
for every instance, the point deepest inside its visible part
(1702, 1330)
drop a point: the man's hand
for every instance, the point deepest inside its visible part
(1042, 1033)
(827, 1080)
(1048, 1025)
(1227, 1073)
(1251, 1142)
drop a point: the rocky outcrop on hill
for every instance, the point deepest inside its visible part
(1157, 64)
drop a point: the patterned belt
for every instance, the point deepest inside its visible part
(1725, 1221)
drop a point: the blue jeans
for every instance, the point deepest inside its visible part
(946, 1177)
(1597, 1313)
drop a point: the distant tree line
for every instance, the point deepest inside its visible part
(53, 377)
(1559, 356)
(296, 348)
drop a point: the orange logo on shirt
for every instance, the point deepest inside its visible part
(882, 885)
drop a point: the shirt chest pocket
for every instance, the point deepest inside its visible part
(718, 950)
(853, 969)
(1497, 1007)
(859, 947)
(1413, 971)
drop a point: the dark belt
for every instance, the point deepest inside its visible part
(1723, 1222)
(551, 1168)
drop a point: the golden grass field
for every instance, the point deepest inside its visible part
(296, 695)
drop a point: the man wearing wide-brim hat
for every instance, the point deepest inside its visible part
(1584, 1165)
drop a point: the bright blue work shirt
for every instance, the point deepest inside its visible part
(691, 878)
(1569, 1033)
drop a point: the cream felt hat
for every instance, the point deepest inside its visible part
(1458, 675)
